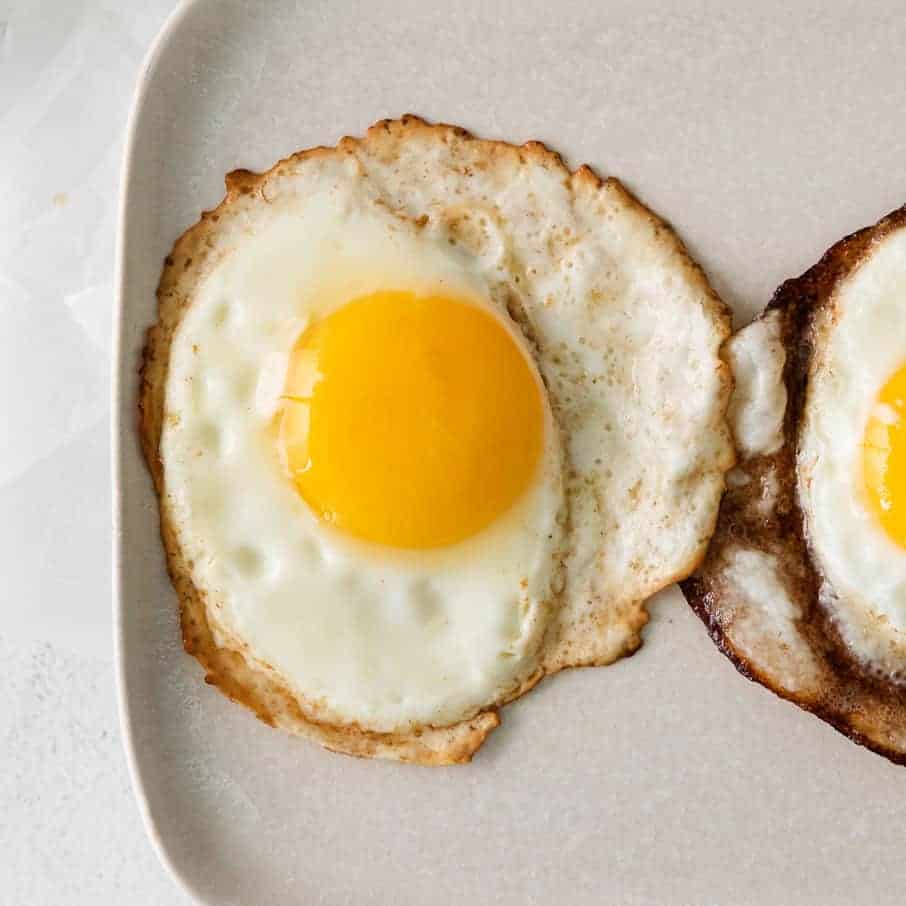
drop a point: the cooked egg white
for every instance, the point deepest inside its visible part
(852, 458)
(363, 466)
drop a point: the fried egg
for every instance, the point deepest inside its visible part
(364, 467)
(430, 418)
(805, 584)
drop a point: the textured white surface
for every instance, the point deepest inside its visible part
(70, 832)
(67, 73)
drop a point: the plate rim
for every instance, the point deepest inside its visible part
(118, 425)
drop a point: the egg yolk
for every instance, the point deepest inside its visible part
(410, 421)
(884, 457)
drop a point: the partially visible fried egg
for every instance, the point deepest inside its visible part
(805, 582)
(430, 418)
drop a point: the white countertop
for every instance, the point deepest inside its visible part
(70, 831)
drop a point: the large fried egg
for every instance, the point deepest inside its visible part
(805, 584)
(430, 417)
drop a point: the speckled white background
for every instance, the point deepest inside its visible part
(70, 832)
(69, 829)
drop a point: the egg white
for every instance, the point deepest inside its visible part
(861, 340)
(361, 633)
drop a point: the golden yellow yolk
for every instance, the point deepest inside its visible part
(884, 457)
(410, 421)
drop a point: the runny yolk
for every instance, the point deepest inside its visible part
(411, 421)
(884, 457)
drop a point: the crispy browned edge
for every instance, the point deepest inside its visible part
(799, 300)
(238, 677)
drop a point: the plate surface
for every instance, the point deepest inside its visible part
(764, 133)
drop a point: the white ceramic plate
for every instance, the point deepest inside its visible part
(764, 133)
